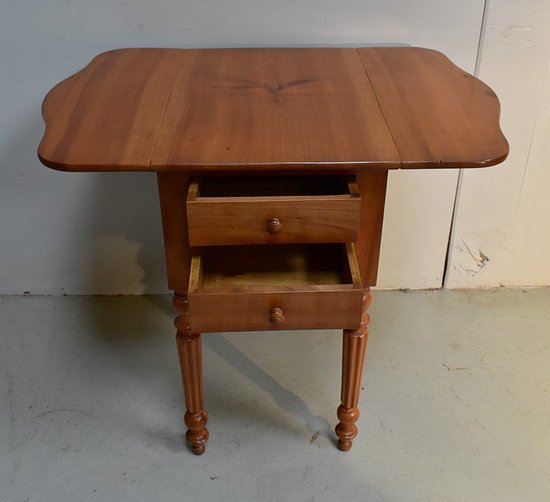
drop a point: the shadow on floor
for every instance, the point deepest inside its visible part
(285, 399)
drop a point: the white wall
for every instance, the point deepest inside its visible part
(503, 213)
(100, 233)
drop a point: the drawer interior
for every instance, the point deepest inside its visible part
(285, 267)
(271, 186)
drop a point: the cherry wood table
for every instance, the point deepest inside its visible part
(272, 167)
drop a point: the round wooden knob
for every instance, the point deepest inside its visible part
(276, 316)
(274, 226)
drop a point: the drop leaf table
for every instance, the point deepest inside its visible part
(272, 167)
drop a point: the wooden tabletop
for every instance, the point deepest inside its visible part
(271, 109)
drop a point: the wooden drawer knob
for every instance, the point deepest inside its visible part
(276, 316)
(274, 226)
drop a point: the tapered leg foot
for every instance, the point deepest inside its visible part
(353, 358)
(346, 429)
(197, 433)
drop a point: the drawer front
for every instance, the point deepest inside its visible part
(272, 219)
(294, 286)
(338, 309)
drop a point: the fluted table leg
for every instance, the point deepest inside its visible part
(353, 358)
(190, 356)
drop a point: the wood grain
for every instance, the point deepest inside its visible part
(172, 195)
(107, 116)
(372, 188)
(310, 295)
(353, 359)
(438, 115)
(272, 219)
(265, 108)
(321, 309)
(270, 109)
(190, 356)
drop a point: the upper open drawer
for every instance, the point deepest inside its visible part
(270, 210)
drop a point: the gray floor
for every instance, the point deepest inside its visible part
(456, 404)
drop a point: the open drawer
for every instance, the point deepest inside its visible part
(272, 209)
(275, 287)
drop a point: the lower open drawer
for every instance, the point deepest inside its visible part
(240, 288)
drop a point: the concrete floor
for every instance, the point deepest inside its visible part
(456, 404)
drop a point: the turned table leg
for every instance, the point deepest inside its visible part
(190, 356)
(353, 358)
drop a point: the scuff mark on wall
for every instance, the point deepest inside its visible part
(514, 30)
(480, 259)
